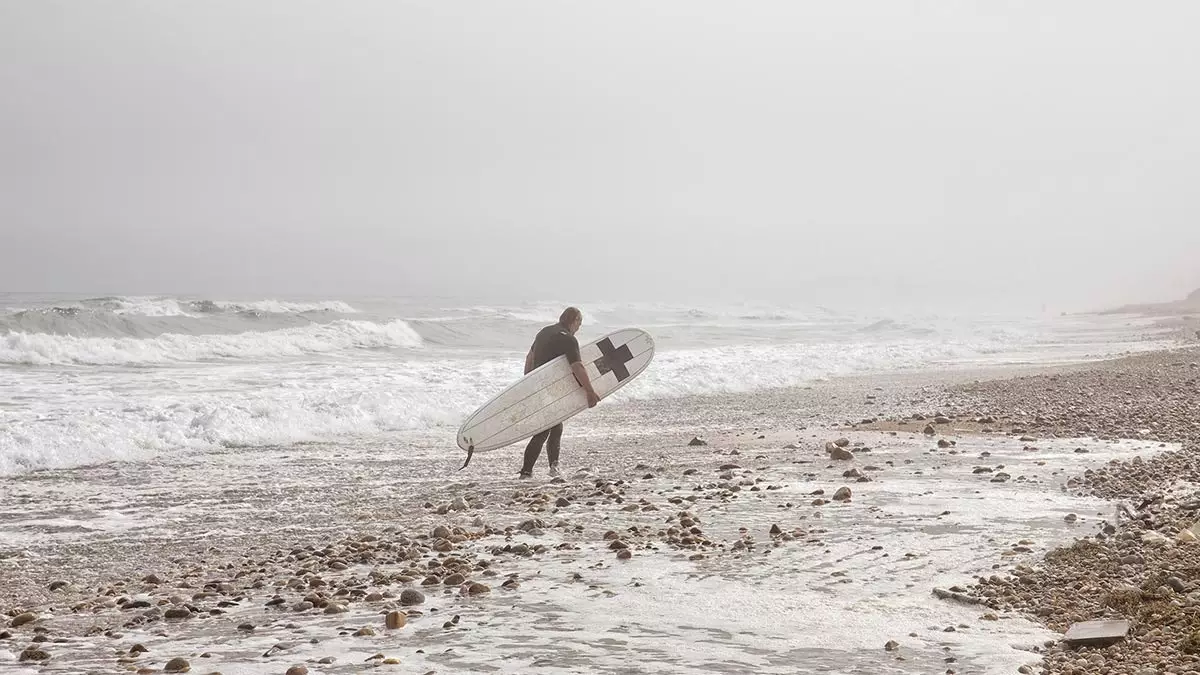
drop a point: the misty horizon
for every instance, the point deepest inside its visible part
(809, 154)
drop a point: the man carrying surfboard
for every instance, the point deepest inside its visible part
(552, 342)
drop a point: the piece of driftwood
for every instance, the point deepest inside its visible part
(1100, 632)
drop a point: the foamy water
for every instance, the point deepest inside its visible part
(90, 380)
(860, 575)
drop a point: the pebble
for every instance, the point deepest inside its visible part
(297, 670)
(840, 454)
(891, 645)
(22, 619)
(396, 620)
(177, 665)
(842, 495)
(411, 596)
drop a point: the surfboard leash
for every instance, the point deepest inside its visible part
(470, 451)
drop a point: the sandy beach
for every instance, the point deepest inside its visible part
(806, 530)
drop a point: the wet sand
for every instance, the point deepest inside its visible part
(651, 555)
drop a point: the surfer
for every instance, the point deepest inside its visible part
(552, 342)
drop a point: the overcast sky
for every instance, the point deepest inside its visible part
(1035, 152)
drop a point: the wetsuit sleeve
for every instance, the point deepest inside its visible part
(571, 349)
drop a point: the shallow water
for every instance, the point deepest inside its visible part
(823, 603)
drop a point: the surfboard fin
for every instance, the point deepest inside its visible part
(470, 451)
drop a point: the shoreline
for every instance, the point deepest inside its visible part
(1161, 395)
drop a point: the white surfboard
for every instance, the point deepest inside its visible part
(550, 394)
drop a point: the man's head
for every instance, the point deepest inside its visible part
(571, 319)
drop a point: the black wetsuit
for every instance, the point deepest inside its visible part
(551, 342)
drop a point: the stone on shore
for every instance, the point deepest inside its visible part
(396, 620)
(411, 596)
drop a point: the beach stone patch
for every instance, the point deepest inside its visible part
(34, 654)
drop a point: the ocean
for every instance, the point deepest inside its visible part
(87, 380)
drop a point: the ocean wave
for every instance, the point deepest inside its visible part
(137, 305)
(114, 414)
(143, 317)
(170, 306)
(343, 399)
(282, 307)
(335, 401)
(42, 349)
(746, 368)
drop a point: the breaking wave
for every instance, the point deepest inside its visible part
(126, 378)
(279, 306)
(142, 317)
(42, 349)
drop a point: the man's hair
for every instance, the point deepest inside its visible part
(570, 315)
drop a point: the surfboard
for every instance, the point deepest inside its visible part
(550, 394)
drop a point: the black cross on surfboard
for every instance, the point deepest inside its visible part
(613, 360)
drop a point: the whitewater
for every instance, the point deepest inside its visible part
(87, 380)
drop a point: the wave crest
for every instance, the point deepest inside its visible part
(41, 349)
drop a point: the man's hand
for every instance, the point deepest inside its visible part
(584, 381)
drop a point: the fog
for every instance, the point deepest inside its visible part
(1030, 154)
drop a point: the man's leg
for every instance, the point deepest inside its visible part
(553, 446)
(533, 450)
